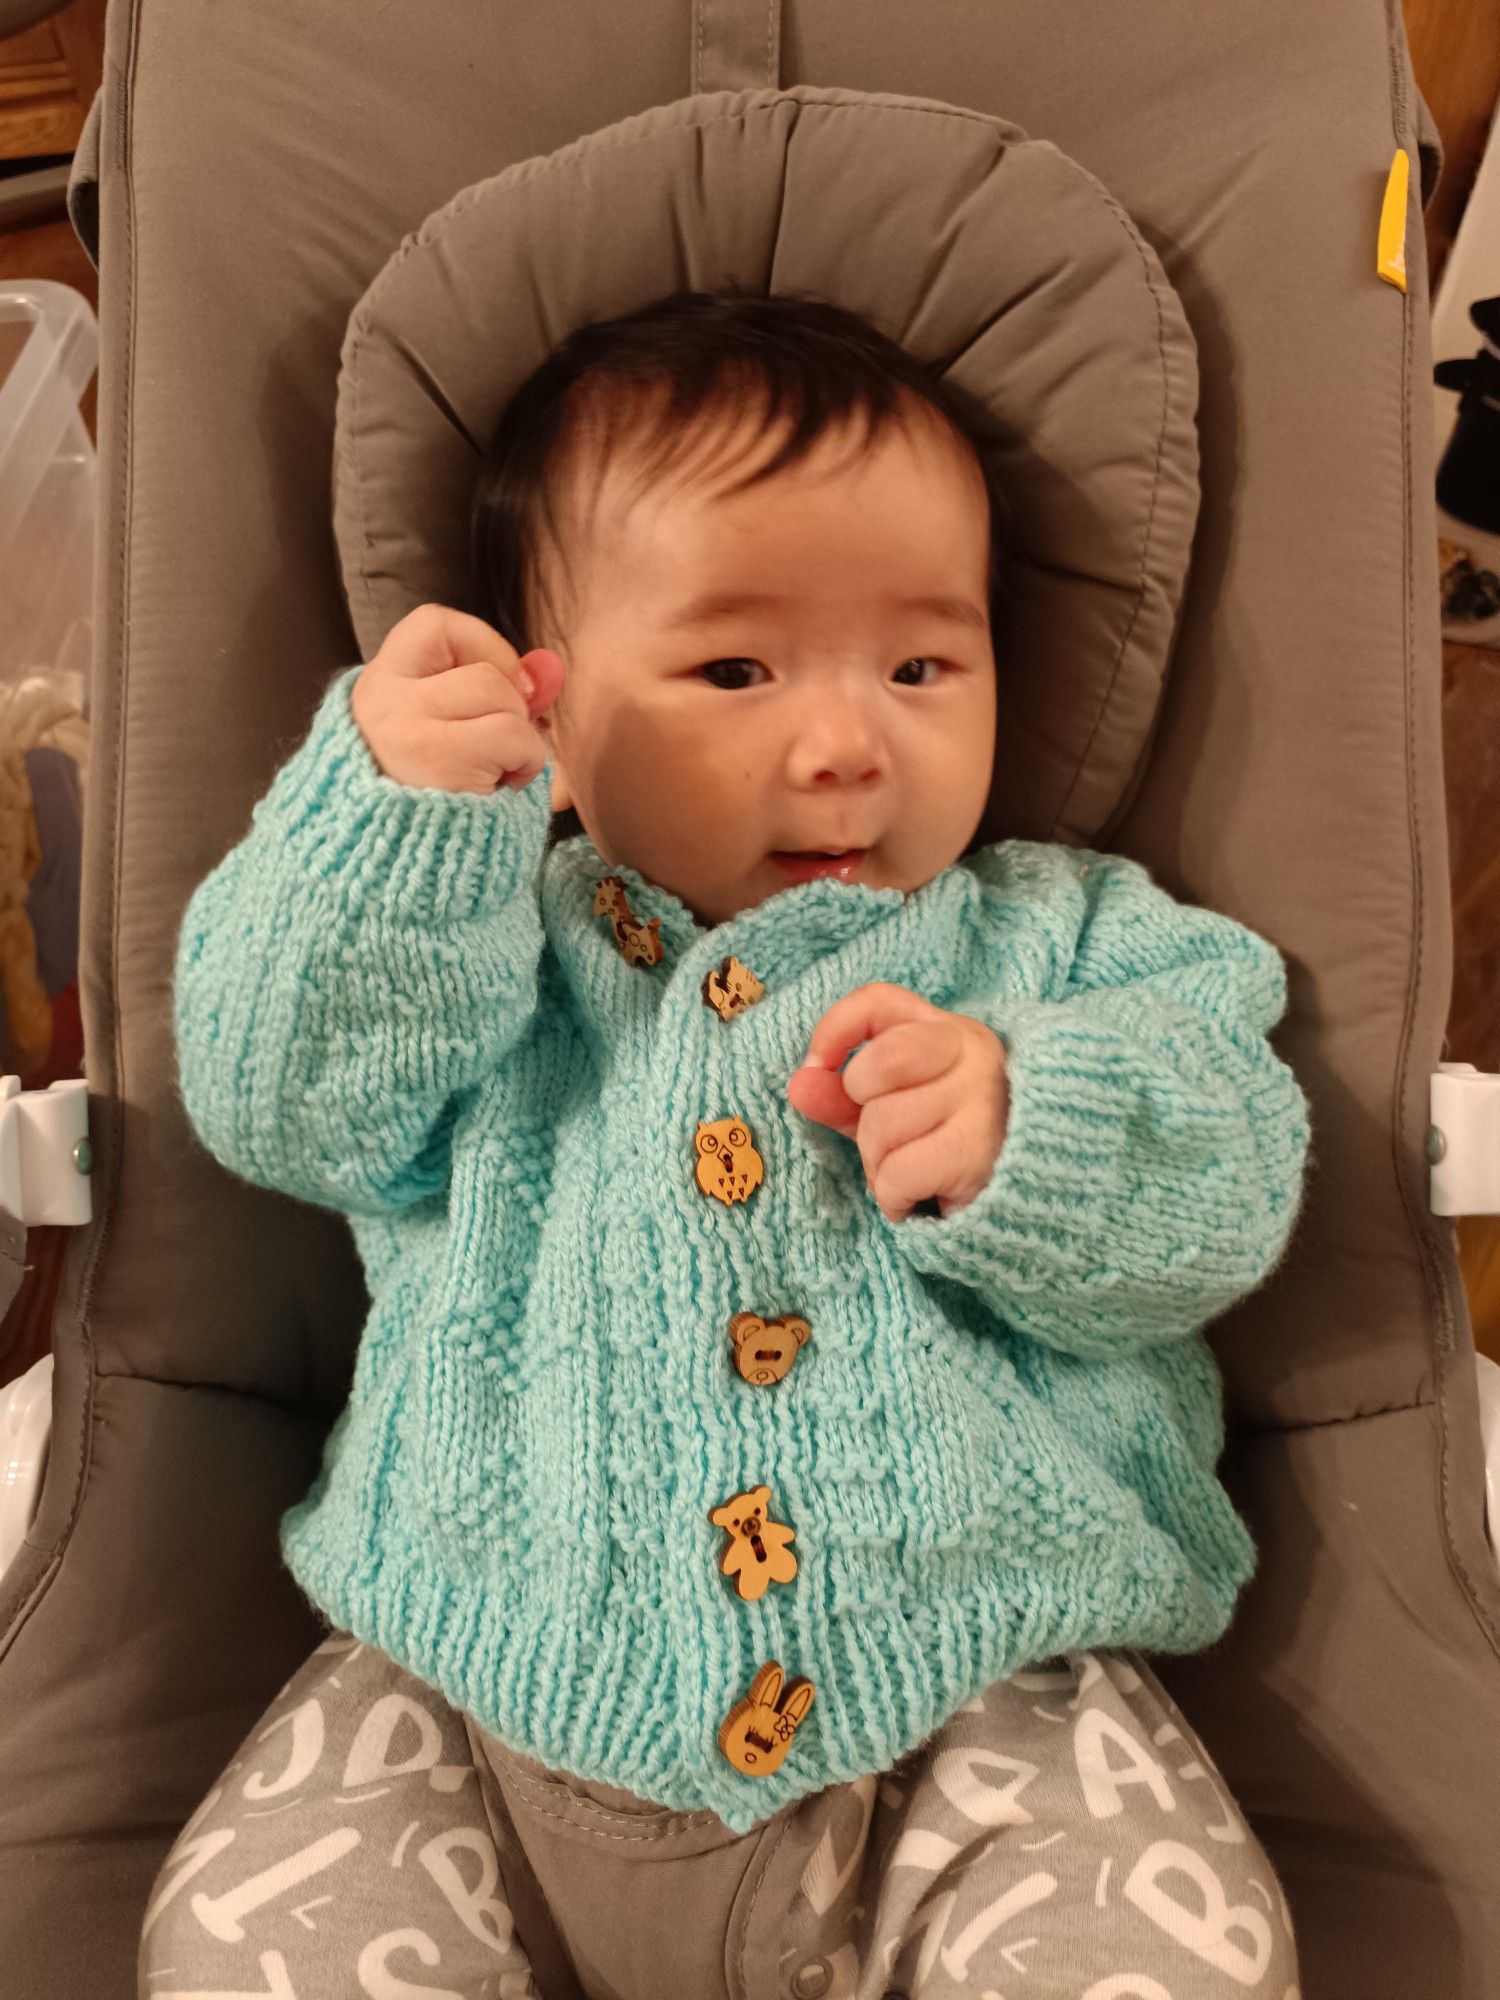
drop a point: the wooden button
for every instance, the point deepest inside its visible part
(764, 1349)
(757, 1732)
(729, 1168)
(640, 943)
(730, 988)
(758, 1553)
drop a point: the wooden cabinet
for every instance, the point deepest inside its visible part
(48, 75)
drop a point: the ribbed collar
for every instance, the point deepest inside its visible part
(782, 940)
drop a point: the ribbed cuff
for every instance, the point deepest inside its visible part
(1051, 1234)
(418, 851)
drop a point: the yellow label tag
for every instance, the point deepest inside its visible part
(1390, 248)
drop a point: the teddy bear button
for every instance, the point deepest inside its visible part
(758, 1552)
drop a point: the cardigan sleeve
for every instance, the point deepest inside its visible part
(352, 967)
(1152, 1167)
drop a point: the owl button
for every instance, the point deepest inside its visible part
(729, 1168)
(730, 988)
(758, 1552)
(639, 944)
(764, 1349)
(757, 1732)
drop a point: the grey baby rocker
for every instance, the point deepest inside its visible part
(1143, 242)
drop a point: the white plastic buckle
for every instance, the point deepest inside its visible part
(1463, 1141)
(25, 1436)
(44, 1152)
(1489, 1432)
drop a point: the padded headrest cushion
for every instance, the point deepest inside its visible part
(993, 258)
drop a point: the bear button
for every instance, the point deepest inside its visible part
(764, 1349)
(758, 1552)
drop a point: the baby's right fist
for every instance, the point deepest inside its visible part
(447, 703)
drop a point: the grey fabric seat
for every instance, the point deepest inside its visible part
(245, 175)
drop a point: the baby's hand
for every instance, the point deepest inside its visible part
(448, 703)
(927, 1099)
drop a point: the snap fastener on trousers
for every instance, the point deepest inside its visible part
(813, 1980)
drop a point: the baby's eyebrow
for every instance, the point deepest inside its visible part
(704, 610)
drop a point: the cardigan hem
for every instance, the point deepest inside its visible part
(613, 1702)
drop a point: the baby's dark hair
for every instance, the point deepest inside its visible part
(816, 364)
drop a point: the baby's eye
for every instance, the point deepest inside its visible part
(736, 670)
(714, 667)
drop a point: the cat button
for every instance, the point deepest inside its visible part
(730, 988)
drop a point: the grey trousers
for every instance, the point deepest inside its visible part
(1064, 1836)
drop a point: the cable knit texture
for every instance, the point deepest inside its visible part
(998, 1442)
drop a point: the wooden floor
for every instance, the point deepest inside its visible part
(1456, 55)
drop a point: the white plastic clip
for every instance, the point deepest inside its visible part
(25, 1435)
(1463, 1141)
(44, 1152)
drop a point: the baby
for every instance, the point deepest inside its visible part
(783, 1419)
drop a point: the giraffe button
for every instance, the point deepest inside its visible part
(640, 944)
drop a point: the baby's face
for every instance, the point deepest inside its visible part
(697, 742)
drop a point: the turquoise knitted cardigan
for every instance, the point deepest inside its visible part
(998, 1441)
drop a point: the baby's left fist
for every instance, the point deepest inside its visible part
(926, 1099)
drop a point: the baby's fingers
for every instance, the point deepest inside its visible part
(486, 751)
(819, 1094)
(474, 692)
(917, 1172)
(890, 1124)
(435, 638)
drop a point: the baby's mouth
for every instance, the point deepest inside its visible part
(806, 864)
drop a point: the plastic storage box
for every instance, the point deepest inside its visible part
(49, 349)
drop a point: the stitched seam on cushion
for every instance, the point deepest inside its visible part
(1140, 595)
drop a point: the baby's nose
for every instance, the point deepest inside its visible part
(838, 739)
